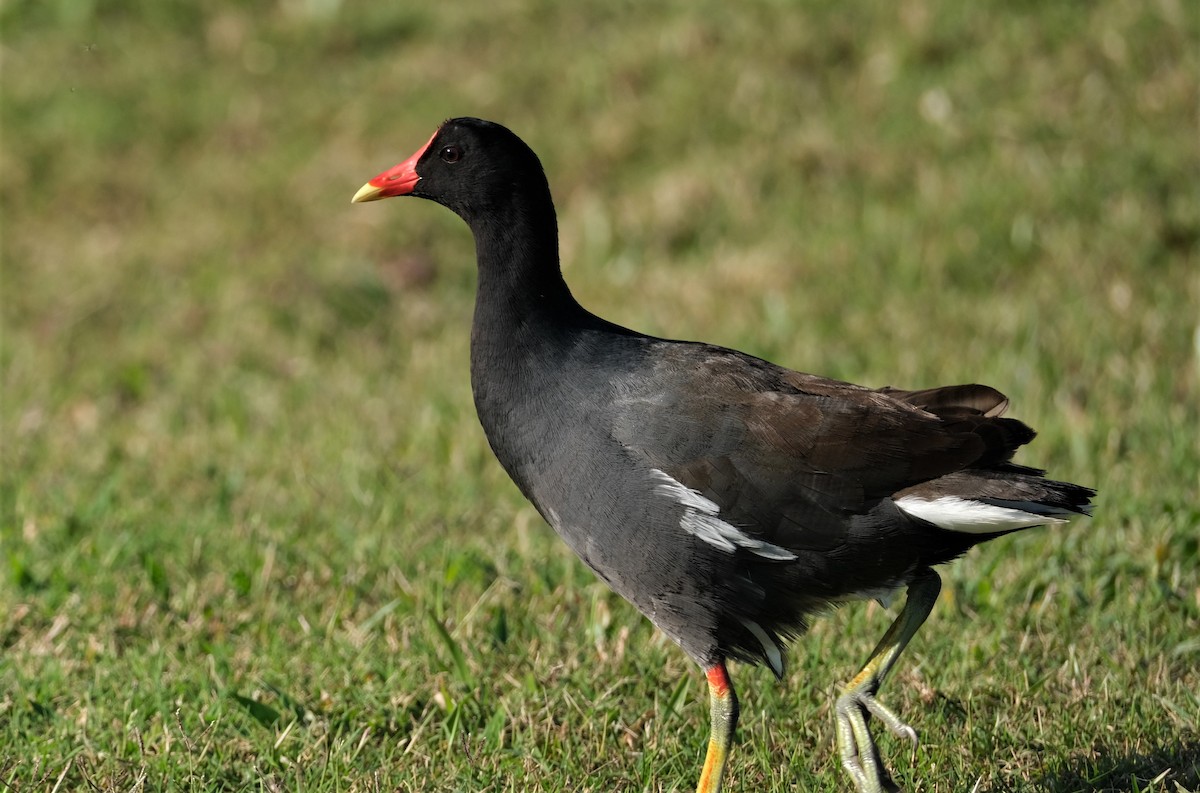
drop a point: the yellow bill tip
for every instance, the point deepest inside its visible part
(367, 192)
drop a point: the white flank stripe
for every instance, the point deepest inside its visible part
(700, 520)
(774, 656)
(971, 517)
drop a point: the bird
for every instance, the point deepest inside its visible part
(727, 498)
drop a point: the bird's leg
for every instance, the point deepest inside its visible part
(857, 703)
(723, 715)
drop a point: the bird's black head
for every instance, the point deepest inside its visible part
(469, 165)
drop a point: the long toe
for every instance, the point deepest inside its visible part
(895, 725)
(860, 755)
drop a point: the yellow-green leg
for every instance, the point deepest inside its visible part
(723, 716)
(857, 703)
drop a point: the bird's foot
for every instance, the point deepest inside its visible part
(860, 757)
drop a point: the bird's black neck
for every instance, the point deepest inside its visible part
(520, 283)
(525, 325)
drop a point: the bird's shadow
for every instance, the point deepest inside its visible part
(1108, 769)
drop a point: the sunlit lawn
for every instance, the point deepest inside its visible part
(252, 536)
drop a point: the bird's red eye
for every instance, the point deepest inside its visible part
(450, 154)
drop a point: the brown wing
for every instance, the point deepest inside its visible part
(790, 457)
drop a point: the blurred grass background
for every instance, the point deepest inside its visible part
(253, 538)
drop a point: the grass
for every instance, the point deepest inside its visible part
(252, 536)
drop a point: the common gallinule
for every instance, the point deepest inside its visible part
(725, 497)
